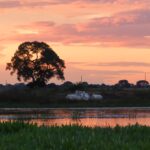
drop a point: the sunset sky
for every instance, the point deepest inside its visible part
(102, 40)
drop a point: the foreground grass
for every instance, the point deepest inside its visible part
(20, 136)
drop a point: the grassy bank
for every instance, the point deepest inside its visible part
(20, 136)
(53, 97)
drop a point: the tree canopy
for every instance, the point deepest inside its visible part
(36, 62)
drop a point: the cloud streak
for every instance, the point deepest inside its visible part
(112, 64)
(44, 3)
(54, 2)
(123, 64)
(129, 29)
(104, 75)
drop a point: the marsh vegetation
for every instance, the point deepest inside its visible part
(20, 136)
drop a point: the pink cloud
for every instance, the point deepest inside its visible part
(122, 29)
(42, 3)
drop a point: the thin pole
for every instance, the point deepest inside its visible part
(145, 76)
(81, 79)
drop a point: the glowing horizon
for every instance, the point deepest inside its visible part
(102, 40)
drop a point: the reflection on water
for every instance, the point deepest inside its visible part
(85, 117)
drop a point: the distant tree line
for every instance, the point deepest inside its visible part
(68, 85)
(36, 63)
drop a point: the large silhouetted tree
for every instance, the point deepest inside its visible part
(36, 62)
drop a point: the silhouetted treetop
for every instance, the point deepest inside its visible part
(36, 61)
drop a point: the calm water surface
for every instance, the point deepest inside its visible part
(87, 117)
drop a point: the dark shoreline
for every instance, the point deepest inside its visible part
(47, 110)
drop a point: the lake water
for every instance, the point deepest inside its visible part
(91, 117)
